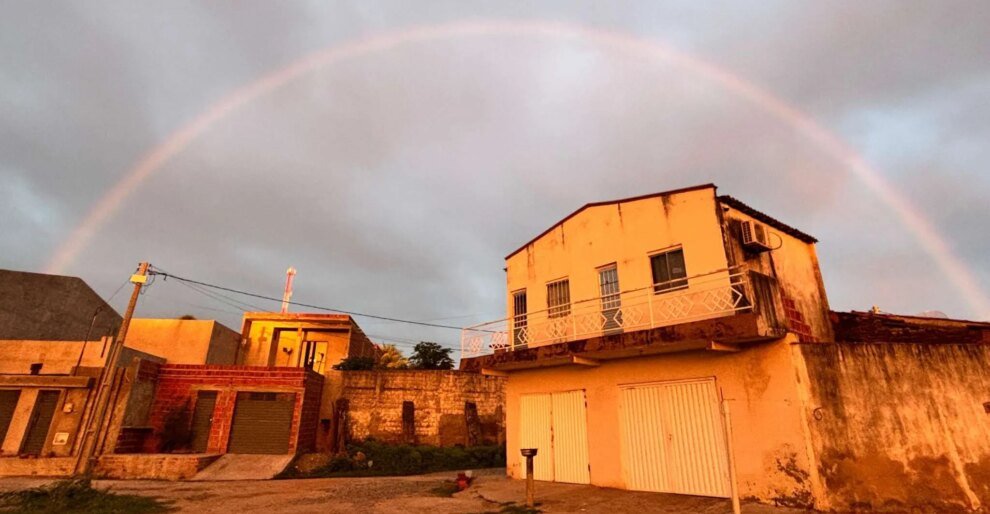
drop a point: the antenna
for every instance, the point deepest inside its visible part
(289, 274)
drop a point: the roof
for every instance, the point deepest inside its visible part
(773, 222)
(343, 320)
(611, 202)
(36, 306)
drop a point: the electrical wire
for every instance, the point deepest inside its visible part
(159, 271)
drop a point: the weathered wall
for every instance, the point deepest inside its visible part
(178, 385)
(36, 306)
(152, 467)
(901, 425)
(768, 441)
(623, 233)
(56, 357)
(376, 402)
(794, 265)
(58, 467)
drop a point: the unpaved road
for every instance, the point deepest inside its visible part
(490, 492)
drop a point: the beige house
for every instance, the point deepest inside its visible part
(315, 341)
(678, 342)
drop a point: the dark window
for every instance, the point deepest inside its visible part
(559, 298)
(519, 317)
(669, 272)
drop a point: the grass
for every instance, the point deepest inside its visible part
(76, 496)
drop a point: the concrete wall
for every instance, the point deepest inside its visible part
(623, 233)
(56, 357)
(178, 385)
(184, 341)
(900, 425)
(376, 397)
(769, 443)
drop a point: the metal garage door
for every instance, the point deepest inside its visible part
(262, 423)
(8, 402)
(41, 421)
(556, 424)
(673, 439)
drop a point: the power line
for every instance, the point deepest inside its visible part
(159, 271)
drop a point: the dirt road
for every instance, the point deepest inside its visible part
(491, 492)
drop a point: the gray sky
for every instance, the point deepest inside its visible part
(397, 181)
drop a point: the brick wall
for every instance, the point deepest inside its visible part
(178, 385)
(439, 398)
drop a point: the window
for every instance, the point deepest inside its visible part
(669, 272)
(519, 318)
(608, 287)
(559, 298)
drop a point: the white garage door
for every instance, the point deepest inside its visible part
(556, 425)
(673, 439)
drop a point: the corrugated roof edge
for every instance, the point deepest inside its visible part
(610, 202)
(773, 222)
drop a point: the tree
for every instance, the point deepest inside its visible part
(427, 355)
(391, 358)
(356, 364)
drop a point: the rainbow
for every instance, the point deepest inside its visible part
(953, 267)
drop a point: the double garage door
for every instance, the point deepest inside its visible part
(556, 425)
(671, 433)
(673, 439)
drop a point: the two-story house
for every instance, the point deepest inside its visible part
(633, 325)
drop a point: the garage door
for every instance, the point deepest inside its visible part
(556, 425)
(262, 423)
(8, 402)
(673, 439)
(40, 423)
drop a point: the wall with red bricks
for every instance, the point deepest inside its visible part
(178, 386)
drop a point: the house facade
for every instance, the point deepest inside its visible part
(670, 343)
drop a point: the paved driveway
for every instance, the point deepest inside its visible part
(491, 492)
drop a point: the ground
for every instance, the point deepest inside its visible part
(490, 493)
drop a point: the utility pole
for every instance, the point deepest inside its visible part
(98, 416)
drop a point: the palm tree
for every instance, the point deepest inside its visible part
(391, 358)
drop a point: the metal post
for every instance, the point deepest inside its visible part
(529, 453)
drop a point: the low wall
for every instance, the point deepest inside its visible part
(442, 408)
(42, 467)
(900, 425)
(152, 467)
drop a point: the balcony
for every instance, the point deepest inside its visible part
(714, 295)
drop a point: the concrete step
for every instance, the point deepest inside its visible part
(233, 466)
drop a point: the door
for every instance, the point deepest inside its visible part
(673, 439)
(202, 420)
(8, 403)
(262, 423)
(556, 425)
(40, 422)
(608, 287)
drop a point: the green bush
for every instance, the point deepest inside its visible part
(374, 458)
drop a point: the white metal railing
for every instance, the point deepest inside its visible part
(721, 293)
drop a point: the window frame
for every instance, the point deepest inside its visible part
(563, 308)
(672, 283)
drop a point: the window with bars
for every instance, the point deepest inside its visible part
(608, 287)
(519, 318)
(559, 298)
(669, 271)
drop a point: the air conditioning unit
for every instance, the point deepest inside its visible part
(755, 236)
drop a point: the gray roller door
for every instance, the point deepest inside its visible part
(8, 402)
(41, 421)
(262, 423)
